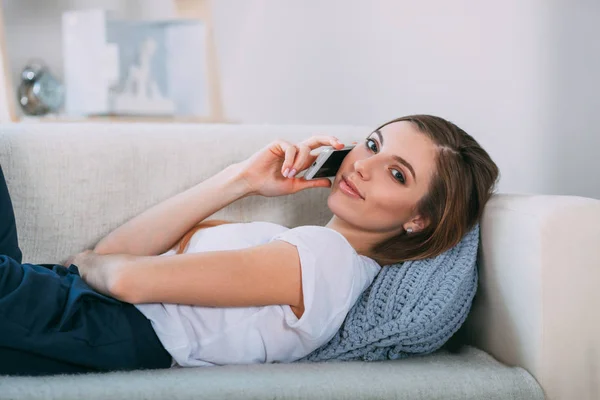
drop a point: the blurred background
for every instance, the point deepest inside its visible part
(521, 76)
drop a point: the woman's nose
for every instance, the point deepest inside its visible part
(360, 168)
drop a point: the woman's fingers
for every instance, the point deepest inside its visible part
(317, 141)
(300, 161)
(298, 157)
(69, 261)
(303, 155)
(288, 160)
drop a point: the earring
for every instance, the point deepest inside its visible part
(409, 230)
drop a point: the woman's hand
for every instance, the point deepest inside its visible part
(102, 272)
(271, 171)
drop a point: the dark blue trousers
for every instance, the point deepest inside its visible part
(9, 244)
(52, 322)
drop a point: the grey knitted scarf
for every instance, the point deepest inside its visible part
(409, 309)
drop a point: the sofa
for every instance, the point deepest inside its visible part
(533, 331)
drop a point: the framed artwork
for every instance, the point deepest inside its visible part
(120, 67)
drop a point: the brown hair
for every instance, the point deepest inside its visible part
(463, 183)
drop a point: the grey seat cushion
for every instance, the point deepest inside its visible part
(467, 374)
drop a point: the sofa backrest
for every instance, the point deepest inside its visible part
(71, 184)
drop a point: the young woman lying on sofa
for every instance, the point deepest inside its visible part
(160, 291)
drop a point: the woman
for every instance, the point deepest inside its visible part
(160, 291)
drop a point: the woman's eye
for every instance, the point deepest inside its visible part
(372, 145)
(399, 177)
(372, 148)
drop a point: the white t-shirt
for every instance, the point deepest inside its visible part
(333, 277)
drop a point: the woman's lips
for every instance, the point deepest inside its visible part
(347, 189)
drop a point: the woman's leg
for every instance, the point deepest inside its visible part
(17, 362)
(51, 313)
(9, 243)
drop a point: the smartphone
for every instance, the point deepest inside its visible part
(327, 163)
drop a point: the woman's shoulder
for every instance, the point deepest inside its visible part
(328, 244)
(322, 237)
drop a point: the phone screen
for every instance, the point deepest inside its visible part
(332, 164)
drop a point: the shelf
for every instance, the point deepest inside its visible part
(125, 119)
(190, 9)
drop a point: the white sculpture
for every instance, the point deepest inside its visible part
(140, 94)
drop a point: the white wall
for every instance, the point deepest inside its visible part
(520, 76)
(6, 90)
(573, 106)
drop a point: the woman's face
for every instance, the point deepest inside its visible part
(391, 170)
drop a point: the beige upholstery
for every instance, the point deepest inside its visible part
(71, 184)
(538, 301)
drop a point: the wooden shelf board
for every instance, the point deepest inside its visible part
(126, 118)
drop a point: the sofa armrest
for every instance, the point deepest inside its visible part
(538, 303)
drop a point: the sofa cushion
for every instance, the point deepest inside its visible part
(410, 308)
(467, 374)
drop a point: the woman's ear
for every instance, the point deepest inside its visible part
(417, 223)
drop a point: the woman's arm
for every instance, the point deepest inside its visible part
(157, 229)
(261, 275)
(267, 274)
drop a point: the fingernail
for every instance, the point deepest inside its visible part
(292, 173)
(285, 173)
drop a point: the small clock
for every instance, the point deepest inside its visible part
(39, 91)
